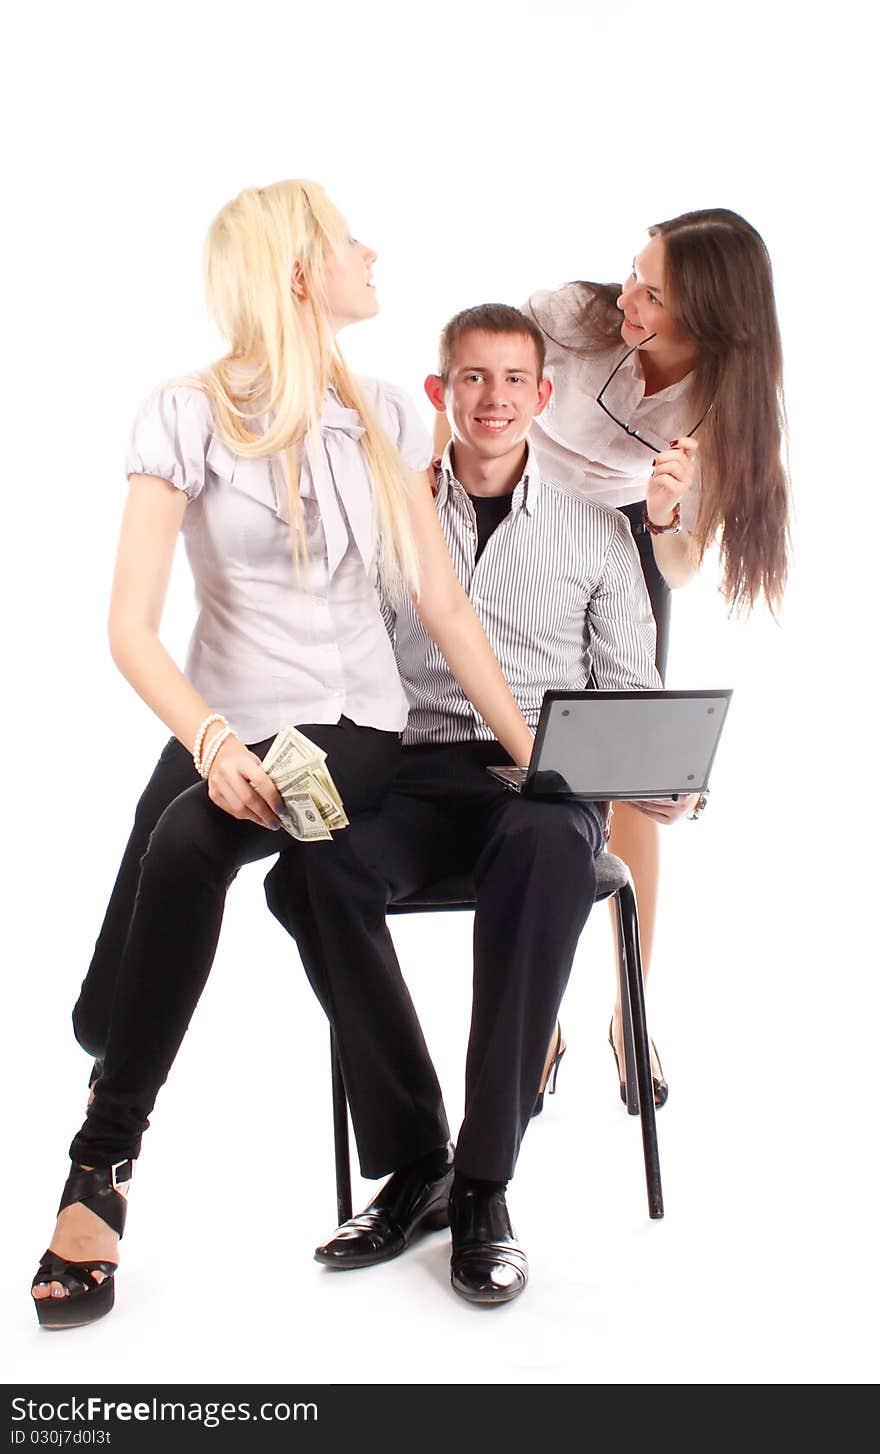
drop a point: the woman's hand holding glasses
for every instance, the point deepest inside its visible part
(674, 473)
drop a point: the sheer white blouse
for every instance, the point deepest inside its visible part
(575, 441)
(277, 642)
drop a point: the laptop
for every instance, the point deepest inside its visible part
(621, 744)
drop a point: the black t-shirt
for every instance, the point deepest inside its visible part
(490, 510)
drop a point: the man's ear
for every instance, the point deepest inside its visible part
(436, 392)
(298, 281)
(545, 389)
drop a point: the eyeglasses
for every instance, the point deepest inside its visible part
(628, 429)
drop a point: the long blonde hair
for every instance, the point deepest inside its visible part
(282, 356)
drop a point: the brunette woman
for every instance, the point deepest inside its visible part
(674, 414)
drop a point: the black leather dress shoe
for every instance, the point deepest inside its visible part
(488, 1266)
(415, 1199)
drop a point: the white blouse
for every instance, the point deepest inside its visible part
(276, 641)
(575, 441)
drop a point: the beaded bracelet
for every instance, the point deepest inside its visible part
(672, 528)
(200, 737)
(215, 745)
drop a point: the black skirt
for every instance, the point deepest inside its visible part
(658, 590)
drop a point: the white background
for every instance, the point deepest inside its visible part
(484, 153)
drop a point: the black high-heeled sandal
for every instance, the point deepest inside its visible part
(85, 1297)
(661, 1089)
(550, 1073)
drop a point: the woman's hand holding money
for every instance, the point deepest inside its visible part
(238, 783)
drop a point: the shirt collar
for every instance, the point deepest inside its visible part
(525, 494)
(634, 365)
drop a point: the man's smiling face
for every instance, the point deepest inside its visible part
(492, 391)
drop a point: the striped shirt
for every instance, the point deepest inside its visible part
(561, 597)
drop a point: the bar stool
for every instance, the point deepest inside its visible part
(613, 880)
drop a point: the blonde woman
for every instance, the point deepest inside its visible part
(295, 487)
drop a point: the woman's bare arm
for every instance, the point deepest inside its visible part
(450, 619)
(674, 474)
(150, 526)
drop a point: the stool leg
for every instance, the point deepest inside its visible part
(340, 1137)
(628, 921)
(629, 1056)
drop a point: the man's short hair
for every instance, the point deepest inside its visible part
(489, 318)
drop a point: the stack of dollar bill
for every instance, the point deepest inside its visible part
(312, 805)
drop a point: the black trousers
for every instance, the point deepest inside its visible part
(160, 932)
(534, 881)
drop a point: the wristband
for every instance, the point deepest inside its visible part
(671, 529)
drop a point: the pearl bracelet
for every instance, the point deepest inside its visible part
(214, 747)
(200, 737)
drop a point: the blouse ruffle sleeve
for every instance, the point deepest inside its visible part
(558, 313)
(170, 437)
(535, 305)
(398, 414)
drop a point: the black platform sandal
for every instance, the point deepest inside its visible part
(85, 1297)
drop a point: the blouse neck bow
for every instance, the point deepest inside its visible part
(341, 483)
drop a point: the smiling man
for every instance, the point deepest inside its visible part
(556, 583)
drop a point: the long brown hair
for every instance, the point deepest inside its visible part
(719, 286)
(719, 289)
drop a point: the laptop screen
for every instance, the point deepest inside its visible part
(627, 744)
